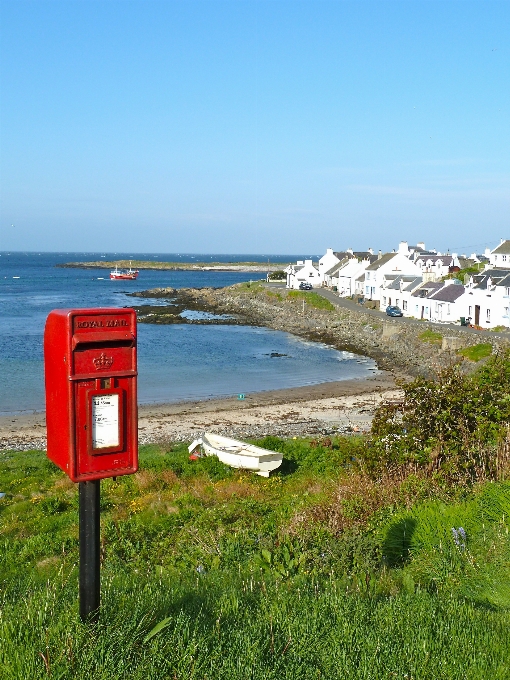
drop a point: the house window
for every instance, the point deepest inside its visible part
(416, 310)
(504, 258)
(470, 312)
(384, 302)
(310, 274)
(448, 309)
(389, 301)
(367, 290)
(488, 316)
(506, 311)
(404, 305)
(507, 291)
(396, 302)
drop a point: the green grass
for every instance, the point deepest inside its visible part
(476, 352)
(433, 337)
(308, 574)
(312, 299)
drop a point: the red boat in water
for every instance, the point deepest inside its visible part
(130, 274)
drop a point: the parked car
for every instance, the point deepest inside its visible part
(305, 286)
(393, 311)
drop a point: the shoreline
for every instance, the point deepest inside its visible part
(321, 409)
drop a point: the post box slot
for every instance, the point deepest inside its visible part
(111, 339)
(108, 344)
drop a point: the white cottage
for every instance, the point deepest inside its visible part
(500, 256)
(487, 301)
(302, 271)
(329, 260)
(346, 276)
(389, 263)
(437, 266)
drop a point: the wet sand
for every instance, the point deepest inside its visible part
(342, 406)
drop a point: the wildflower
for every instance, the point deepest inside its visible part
(459, 537)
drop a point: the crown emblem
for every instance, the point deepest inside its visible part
(102, 362)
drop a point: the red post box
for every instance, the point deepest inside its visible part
(91, 403)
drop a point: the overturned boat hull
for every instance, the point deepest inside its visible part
(238, 454)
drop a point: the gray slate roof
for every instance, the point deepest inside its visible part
(428, 289)
(365, 255)
(496, 276)
(502, 249)
(380, 261)
(395, 285)
(447, 260)
(414, 283)
(448, 293)
(336, 267)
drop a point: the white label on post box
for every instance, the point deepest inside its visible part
(105, 421)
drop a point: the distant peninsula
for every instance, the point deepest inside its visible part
(189, 266)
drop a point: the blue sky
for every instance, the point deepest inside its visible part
(254, 126)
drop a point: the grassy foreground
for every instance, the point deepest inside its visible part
(318, 572)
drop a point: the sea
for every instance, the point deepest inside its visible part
(175, 362)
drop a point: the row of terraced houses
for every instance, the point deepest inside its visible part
(421, 282)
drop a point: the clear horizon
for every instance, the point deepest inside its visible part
(250, 127)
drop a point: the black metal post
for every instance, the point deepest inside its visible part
(90, 589)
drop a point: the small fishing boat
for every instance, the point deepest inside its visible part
(238, 454)
(130, 273)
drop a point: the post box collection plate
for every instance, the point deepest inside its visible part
(91, 392)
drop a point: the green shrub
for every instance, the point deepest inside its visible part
(453, 423)
(278, 275)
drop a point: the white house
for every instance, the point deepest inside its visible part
(437, 266)
(487, 301)
(331, 275)
(447, 305)
(500, 256)
(390, 263)
(345, 277)
(300, 272)
(419, 305)
(328, 261)
(396, 291)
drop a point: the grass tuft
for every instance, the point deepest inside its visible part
(312, 299)
(433, 337)
(476, 352)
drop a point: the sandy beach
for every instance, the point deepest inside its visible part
(343, 406)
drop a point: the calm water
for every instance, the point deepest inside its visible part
(176, 362)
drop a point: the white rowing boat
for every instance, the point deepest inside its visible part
(238, 454)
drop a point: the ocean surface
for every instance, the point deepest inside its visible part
(175, 362)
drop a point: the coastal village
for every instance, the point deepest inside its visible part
(423, 283)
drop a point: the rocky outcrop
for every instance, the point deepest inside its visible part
(403, 348)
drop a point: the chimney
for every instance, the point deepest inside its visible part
(379, 255)
(421, 245)
(370, 251)
(403, 248)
